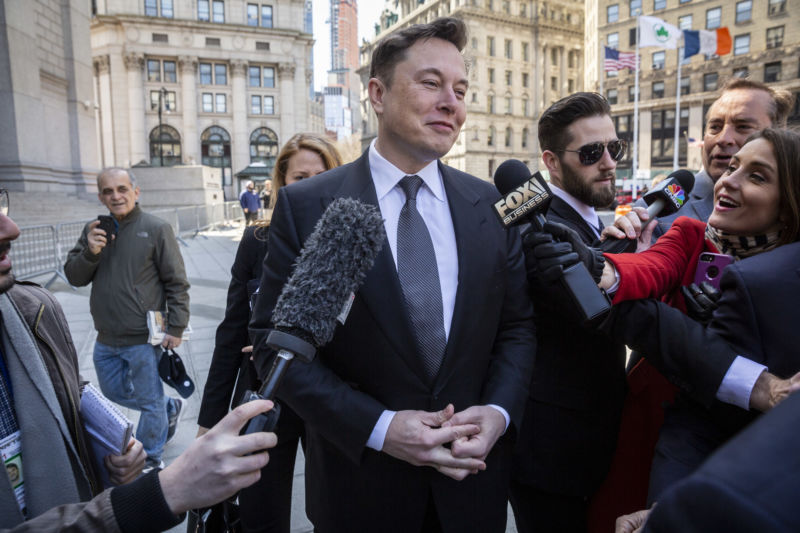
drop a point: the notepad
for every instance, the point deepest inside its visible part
(109, 430)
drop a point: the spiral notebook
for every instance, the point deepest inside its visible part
(109, 430)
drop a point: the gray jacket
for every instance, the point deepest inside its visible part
(140, 270)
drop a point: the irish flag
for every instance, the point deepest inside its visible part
(707, 42)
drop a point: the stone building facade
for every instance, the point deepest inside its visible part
(522, 56)
(221, 83)
(766, 47)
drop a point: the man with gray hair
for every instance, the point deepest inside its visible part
(135, 268)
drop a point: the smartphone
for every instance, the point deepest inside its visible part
(710, 266)
(107, 224)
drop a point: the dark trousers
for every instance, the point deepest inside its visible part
(536, 511)
(250, 217)
(266, 506)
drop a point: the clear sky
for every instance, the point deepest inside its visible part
(369, 12)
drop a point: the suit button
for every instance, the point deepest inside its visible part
(435, 397)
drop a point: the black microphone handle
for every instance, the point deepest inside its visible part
(655, 208)
(267, 421)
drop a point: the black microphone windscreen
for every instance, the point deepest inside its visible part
(684, 178)
(333, 263)
(510, 175)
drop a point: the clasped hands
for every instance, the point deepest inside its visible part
(420, 438)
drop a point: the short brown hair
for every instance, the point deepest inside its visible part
(786, 149)
(302, 141)
(391, 50)
(782, 100)
(557, 118)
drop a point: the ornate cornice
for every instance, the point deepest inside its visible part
(286, 71)
(187, 64)
(101, 64)
(134, 61)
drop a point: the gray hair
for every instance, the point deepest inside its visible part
(114, 170)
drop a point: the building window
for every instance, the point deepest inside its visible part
(710, 81)
(507, 7)
(490, 137)
(524, 79)
(168, 102)
(713, 18)
(252, 14)
(741, 44)
(635, 7)
(218, 11)
(776, 7)
(742, 72)
(554, 56)
(613, 40)
(612, 96)
(525, 134)
(526, 56)
(659, 4)
(632, 37)
(215, 147)
(509, 46)
(263, 146)
(255, 104)
(490, 46)
(685, 86)
(744, 11)
(554, 83)
(262, 105)
(509, 137)
(509, 105)
(612, 13)
(508, 77)
(208, 102)
(775, 37)
(685, 22)
(221, 103)
(269, 105)
(491, 168)
(213, 10)
(261, 76)
(474, 43)
(152, 8)
(659, 59)
(663, 136)
(158, 70)
(772, 72)
(491, 75)
(570, 85)
(526, 107)
(490, 103)
(165, 146)
(631, 93)
(658, 89)
(213, 73)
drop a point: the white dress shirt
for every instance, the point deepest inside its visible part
(435, 211)
(587, 212)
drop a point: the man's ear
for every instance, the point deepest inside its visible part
(553, 164)
(376, 90)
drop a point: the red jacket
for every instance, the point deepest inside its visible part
(660, 271)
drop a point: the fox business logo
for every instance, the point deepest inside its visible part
(520, 201)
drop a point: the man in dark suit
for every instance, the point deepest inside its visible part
(416, 377)
(571, 420)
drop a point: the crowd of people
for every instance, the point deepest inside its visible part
(461, 377)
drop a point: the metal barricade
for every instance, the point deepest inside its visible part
(34, 253)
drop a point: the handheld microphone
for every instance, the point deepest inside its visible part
(331, 267)
(664, 199)
(526, 198)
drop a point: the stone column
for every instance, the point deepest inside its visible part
(286, 77)
(562, 72)
(102, 68)
(240, 151)
(134, 63)
(190, 141)
(546, 77)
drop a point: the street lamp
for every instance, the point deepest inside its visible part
(162, 93)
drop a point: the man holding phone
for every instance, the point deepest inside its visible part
(134, 266)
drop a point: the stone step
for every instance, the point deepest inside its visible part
(46, 208)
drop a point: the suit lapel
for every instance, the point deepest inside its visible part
(472, 269)
(381, 291)
(565, 211)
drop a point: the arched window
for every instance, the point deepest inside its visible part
(508, 137)
(215, 144)
(490, 138)
(263, 145)
(165, 146)
(525, 137)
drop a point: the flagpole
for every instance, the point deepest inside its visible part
(675, 146)
(636, 107)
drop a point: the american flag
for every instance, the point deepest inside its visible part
(616, 60)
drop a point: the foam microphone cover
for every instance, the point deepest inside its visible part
(510, 175)
(332, 264)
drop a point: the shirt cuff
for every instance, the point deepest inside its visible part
(378, 435)
(613, 288)
(739, 381)
(502, 412)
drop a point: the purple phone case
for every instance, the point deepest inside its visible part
(710, 266)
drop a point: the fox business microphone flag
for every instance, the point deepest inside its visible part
(655, 32)
(616, 60)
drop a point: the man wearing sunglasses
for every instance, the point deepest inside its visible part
(568, 435)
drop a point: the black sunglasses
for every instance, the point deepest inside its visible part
(589, 154)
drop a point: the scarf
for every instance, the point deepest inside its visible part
(740, 246)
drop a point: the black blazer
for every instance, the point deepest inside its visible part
(228, 361)
(751, 484)
(568, 438)
(371, 364)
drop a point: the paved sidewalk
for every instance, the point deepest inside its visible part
(208, 258)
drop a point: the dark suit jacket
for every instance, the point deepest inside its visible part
(750, 484)
(756, 318)
(571, 422)
(372, 365)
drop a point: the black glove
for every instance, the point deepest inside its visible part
(593, 259)
(544, 258)
(700, 301)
